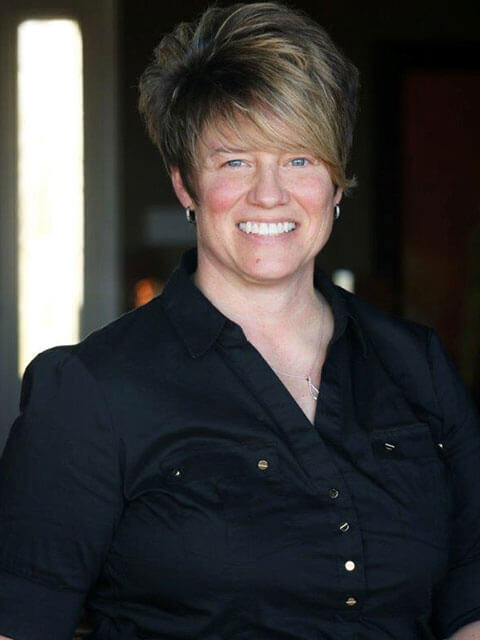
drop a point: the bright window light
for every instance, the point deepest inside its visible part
(344, 278)
(50, 185)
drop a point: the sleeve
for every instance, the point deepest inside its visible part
(457, 602)
(60, 498)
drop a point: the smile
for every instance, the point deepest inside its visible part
(267, 228)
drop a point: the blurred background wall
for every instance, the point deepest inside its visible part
(409, 233)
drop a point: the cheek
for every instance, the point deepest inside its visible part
(218, 196)
(314, 195)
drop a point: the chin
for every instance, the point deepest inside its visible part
(267, 270)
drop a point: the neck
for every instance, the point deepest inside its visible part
(273, 310)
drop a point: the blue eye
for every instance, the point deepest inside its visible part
(299, 162)
(234, 163)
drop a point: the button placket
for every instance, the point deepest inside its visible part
(321, 468)
(348, 546)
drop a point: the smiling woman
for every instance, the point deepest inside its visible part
(256, 453)
(262, 212)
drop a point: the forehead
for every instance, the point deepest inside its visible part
(244, 134)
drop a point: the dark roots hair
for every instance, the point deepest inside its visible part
(261, 61)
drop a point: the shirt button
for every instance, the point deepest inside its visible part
(262, 465)
(351, 601)
(349, 565)
(344, 527)
(333, 493)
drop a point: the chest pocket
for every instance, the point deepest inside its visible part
(214, 463)
(227, 497)
(414, 471)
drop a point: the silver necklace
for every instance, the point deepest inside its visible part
(313, 390)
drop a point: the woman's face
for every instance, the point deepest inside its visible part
(239, 184)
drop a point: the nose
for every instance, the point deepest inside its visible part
(267, 190)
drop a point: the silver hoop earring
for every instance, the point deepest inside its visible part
(190, 214)
(336, 209)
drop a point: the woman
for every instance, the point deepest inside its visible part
(255, 453)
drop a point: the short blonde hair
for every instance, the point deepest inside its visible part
(263, 61)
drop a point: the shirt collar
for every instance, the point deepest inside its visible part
(199, 323)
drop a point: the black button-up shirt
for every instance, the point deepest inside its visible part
(161, 476)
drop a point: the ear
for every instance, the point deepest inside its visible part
(337, 196)
(179, 188)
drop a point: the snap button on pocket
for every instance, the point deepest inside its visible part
(204, 464)
(406, 442)
(412, 469)
(193, 499)
(255, 507)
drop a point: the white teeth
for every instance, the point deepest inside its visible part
(267, 229)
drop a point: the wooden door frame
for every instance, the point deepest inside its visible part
(392, 61)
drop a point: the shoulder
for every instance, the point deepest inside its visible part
(112, 350)
(387, 334)
(408, 353)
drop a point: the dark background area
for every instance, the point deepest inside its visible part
(409, 231)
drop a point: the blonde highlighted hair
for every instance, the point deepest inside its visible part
(262, 61)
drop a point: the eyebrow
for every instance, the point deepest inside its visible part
(218, 150)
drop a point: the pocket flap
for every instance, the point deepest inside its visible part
(413, 440)
(220, 462)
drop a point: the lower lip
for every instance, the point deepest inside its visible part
(266, 239)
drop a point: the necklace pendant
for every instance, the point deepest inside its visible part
(312, 388)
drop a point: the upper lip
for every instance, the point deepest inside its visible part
(268, 221)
